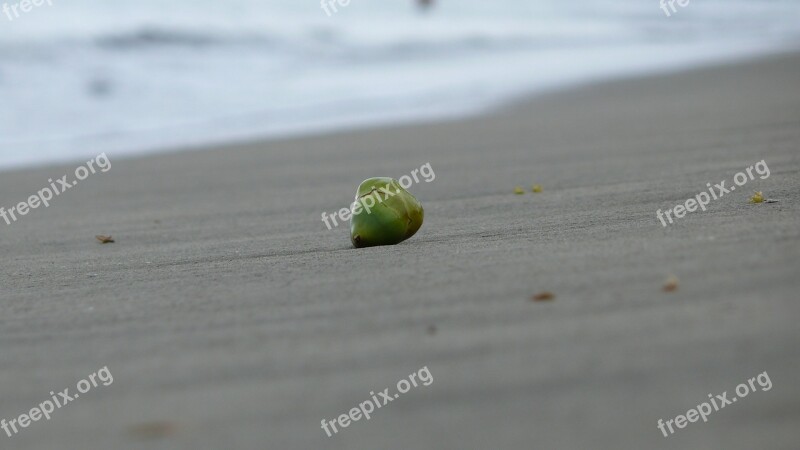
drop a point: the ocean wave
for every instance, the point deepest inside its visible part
(116, 74)
(149, 37)
(336, 43)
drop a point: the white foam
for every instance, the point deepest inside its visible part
(86, 76)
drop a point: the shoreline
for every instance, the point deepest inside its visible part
(496, 106)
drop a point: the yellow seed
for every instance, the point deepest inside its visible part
(758, 197)
(518, 190)
(537, 188)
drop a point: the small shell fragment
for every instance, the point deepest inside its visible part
(671, 284)
(104, 239)
(544, 296)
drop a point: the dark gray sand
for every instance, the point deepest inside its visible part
(231, 318)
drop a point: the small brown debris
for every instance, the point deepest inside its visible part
(104, 239)
(671, 284)
(545, 296)
(154, 430)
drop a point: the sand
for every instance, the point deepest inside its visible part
(232, 318)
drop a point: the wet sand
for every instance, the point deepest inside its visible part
(230, 317)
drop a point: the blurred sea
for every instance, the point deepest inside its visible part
(130, 76)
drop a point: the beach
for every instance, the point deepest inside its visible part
(231, 317)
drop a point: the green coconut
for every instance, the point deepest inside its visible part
(384, 213)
